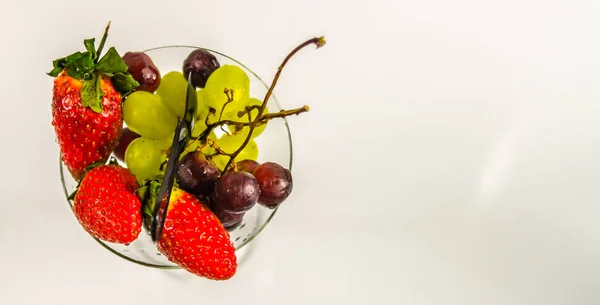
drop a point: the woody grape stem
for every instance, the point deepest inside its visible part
(319, 42)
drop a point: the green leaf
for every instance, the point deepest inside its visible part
(58, 66)
(73, 57)
(111, 62)
(124, 82)
(79, 65)
(103, 39)
(142, 194)
(90, 46)
(90, 167)
(92, 94)
(72, 195)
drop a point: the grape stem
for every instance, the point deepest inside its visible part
(280, 114)
(248, 110)
(214, 145)
(319, 42)
(229, 100)
(203, 137)
(261, 118)
(229, 94)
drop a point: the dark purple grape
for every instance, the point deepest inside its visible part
(202, 64)
(236, 192)
(275, 184)
(228, 220)
(247, 166)
(127, 136)
(143, 70)
(195, 174)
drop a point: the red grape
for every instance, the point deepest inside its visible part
(127, 136)
(195, 174)
(202, 64)
(275, 184)
(143, 70)
(228, 220)
(236, 192)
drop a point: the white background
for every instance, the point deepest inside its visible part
(450, 156)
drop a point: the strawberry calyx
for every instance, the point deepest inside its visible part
(90, 68)
(148, 193)
(112, 161)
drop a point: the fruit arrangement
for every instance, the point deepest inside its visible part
(115, 119)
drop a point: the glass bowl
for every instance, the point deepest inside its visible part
(274, 144)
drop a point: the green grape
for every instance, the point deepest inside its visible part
(199, 127)
(227, 77)
(145, 114)
(231, 143)
(172, 90)
(200, 99)
(208, 150)
(244, 131)
(143, 158)
(250, 152)
(201, 115)
(164, 145)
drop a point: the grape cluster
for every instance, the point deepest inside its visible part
(223, 171)
(234, 193)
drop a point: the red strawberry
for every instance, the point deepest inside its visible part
(107, 207)
(86, 105)
(84, 135)
(193, 237)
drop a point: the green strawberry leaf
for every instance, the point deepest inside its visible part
(79, 65)
(90, 167)
(143, 193)
(87, 67)
(111, 62)
(92, 94)
(103, 39)
(72, 195)
(148, 193)
(91, 47)
(58, 66)
(124, 82)
(73, 57)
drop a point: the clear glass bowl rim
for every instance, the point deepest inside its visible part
(273, 98)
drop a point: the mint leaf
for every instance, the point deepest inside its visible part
(111, 62)
(92, 94)
(91, 47)
(124, 82)
(57, 67)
